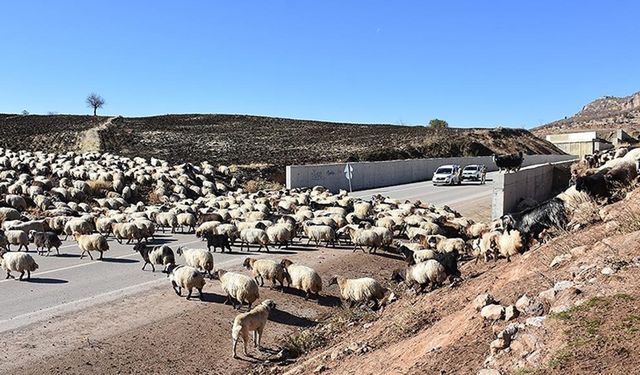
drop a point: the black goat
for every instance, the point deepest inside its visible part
(46, 240)
(530, 223)
(166, 257)
(509, 163)
(217, 240)
(407, 253)
(595, 185)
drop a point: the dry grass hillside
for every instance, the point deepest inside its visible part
(608, 112)
(243, 140)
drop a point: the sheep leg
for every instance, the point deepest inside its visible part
(119, 239)
(309, 241)
(235, 343)
(153, 268)
(267, 248)
(101, 254)
(21, 275)
(9, 275)
(210, 274)
(259, 336)
(375, 304)
(189, 295)
(176, 288)
(245, 340)
(90, 256)
(200, 294)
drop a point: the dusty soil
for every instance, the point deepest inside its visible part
(245, 140)
(158, 332)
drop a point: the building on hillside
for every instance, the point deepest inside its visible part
(587, 143)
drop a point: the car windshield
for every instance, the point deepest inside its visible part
(444, 171)
(471, 168)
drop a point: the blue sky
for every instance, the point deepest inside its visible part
(472, 63)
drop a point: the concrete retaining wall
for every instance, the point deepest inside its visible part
(368, 175)
(538, 182)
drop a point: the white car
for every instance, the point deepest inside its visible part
(447, 175)
(474, 172)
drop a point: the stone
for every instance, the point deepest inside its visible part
(559, 260)
(319, 369)
(580, 250)
(523, 302)
(392, 297)
(559, 309)
(511, 312)
(535, 321)
(562, 285)
(336, 354)
(492, 312)
(483, 300)
(497, 345)
(488, 371)
(612, 226)
(548, 295)
(608, 271)
(367, 325)
(535, 309)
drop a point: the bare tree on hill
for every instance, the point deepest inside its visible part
(95, 101)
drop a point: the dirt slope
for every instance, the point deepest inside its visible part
(239, 139)
(608, 112)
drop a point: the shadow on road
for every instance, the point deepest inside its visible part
(47, 280)
(121, 260)
(212, 297)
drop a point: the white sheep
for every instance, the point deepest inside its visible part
(91, 242)
(254, 236)
(187, 220)
(303, 278)
(167, 219)
(451, 245)
(198, 258)
(186, 277)
(476, 230)
(363, 237)
(319, 233)
(128, 231)
(421, 274)
(238, 287)
(281, 234)
(254, 320)
(488, 246)
(18, 262)
(360, 290)
(16, 201)
(267, 269)
(77, 225)
(17, 237)
(207, 227)
(510, 244)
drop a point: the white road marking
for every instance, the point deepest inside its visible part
(92, 262)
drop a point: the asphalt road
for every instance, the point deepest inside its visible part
(67, 283)
(470, 198)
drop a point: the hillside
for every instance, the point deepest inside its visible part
(608, 112)
(239, 139)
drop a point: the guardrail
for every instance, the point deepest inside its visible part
(368, 175)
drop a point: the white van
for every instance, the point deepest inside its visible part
(447, 175)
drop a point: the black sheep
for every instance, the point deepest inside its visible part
(217, 240)
(46, 240)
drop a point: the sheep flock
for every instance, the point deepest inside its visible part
(94, 198)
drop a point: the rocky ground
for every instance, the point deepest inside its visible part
(608, 112)
(568, 306)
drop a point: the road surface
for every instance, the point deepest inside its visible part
(471, 198)
(67, 283)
